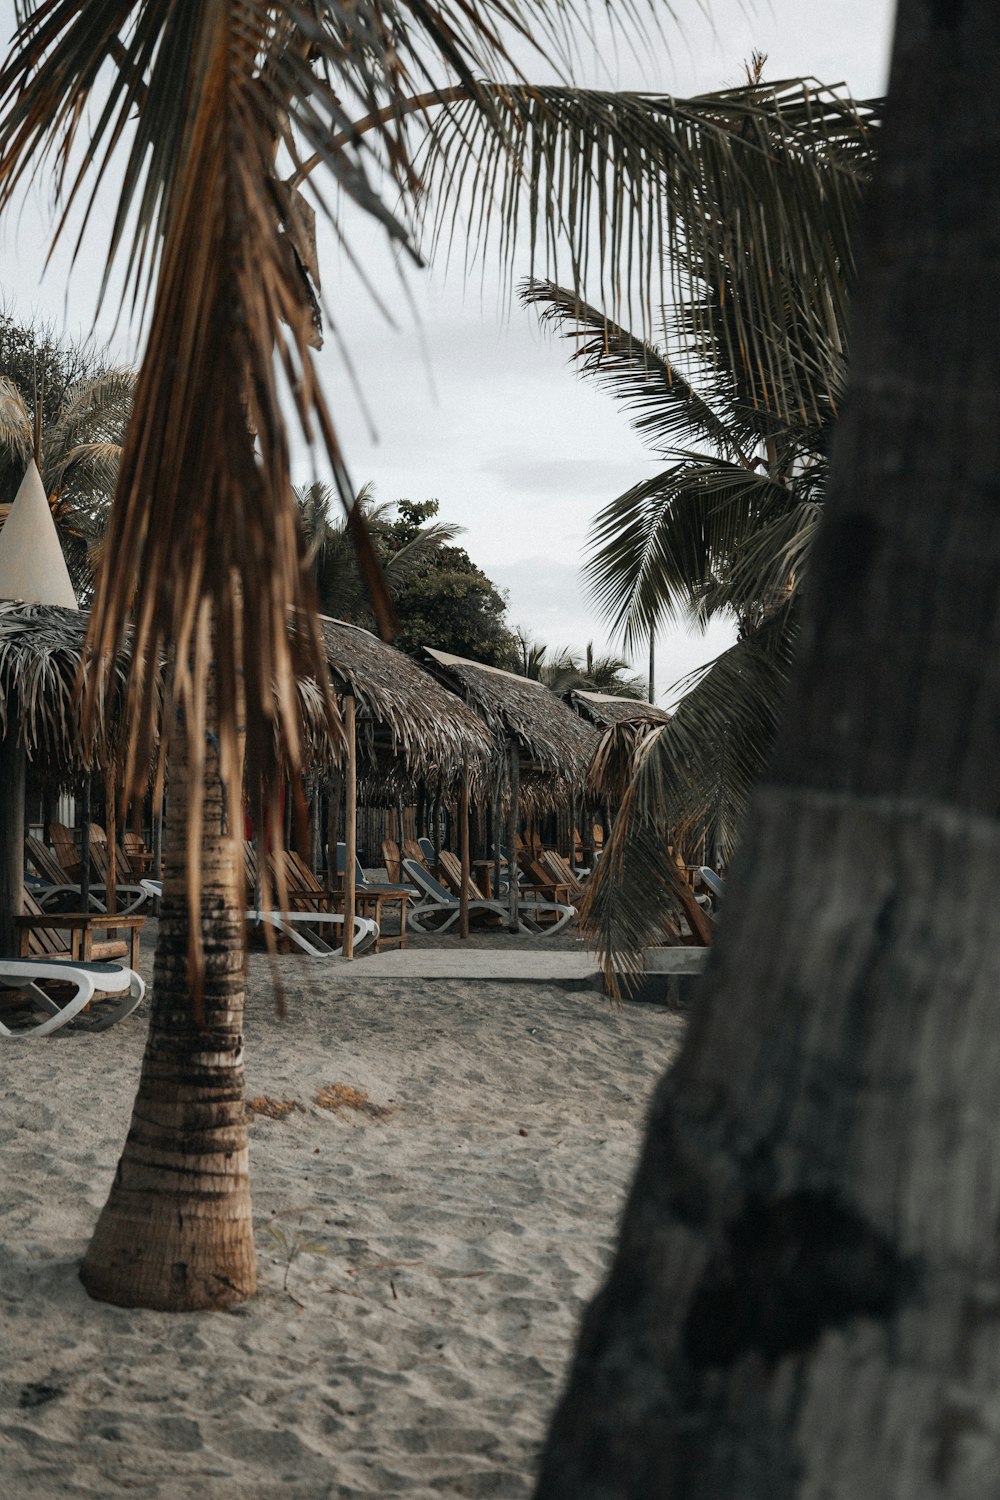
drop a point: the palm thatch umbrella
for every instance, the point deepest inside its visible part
(42, 658)
(605, 710)
(409, 727)
(546, 747)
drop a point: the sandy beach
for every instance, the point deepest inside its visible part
(435, 1198)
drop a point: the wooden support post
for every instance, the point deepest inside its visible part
(157, 836)
(351, 824)
(111, 814)
(515, 780)
(463, 844)
(85, 844)
(497, 858)
(13, 763)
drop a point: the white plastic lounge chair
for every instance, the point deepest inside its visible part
(435, 898)
(302, 927)
(712, 882)
(90, 979)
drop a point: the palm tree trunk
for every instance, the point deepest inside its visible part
(176, 1232)
(805, 1294)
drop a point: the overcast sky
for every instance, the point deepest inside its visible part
(473, 406)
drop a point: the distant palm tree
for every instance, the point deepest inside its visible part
(562, 670)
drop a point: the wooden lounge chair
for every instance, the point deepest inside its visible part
(318, 932)
(139, 856)
(50, 884)
(128, 897)
(557, 867)
(41, 980)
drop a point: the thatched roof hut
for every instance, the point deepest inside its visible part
(555, 745)
(409, 726)
(605, 710)
(41, 648)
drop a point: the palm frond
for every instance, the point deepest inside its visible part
(663, 406)
(684, 785)
(655, 549)
(749, 186)
(16, 434)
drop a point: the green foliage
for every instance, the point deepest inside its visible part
(442, 599)
(448, 602)
(82, 403)
(564, 669)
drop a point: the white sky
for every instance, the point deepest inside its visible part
(475, 407)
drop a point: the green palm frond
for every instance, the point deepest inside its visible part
(657, 548)
(744, 187)
(16, 435)
(663, 406)
(683, 785)
(632, 902)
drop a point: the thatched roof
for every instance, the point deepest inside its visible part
(555, 745)
(606, 709)
(409, 726)
(41, 647)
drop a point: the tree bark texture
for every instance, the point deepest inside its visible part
(176, 1232)
(805, 1297)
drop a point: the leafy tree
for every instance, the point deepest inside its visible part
(441, 598)
(446, 601)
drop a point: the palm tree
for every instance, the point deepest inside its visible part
(340, 585)
(80, 449)
(205, 100)
(726, 527)
(564, 669)
(802, 1295)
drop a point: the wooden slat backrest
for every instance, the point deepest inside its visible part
(65, 848)
(391, 860)
(412, 850)
(556, 866)
(43, 942)
(451, 869)
(44, 862)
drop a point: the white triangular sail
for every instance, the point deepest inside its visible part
(32, 566)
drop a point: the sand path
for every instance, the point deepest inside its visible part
(437, 1256)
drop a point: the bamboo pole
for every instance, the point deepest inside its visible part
(515, 784)
(351, 824)
(463, 837)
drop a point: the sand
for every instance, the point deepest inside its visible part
(426, 1248)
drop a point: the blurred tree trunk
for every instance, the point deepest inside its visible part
(805, 1295)
(177, 1232)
